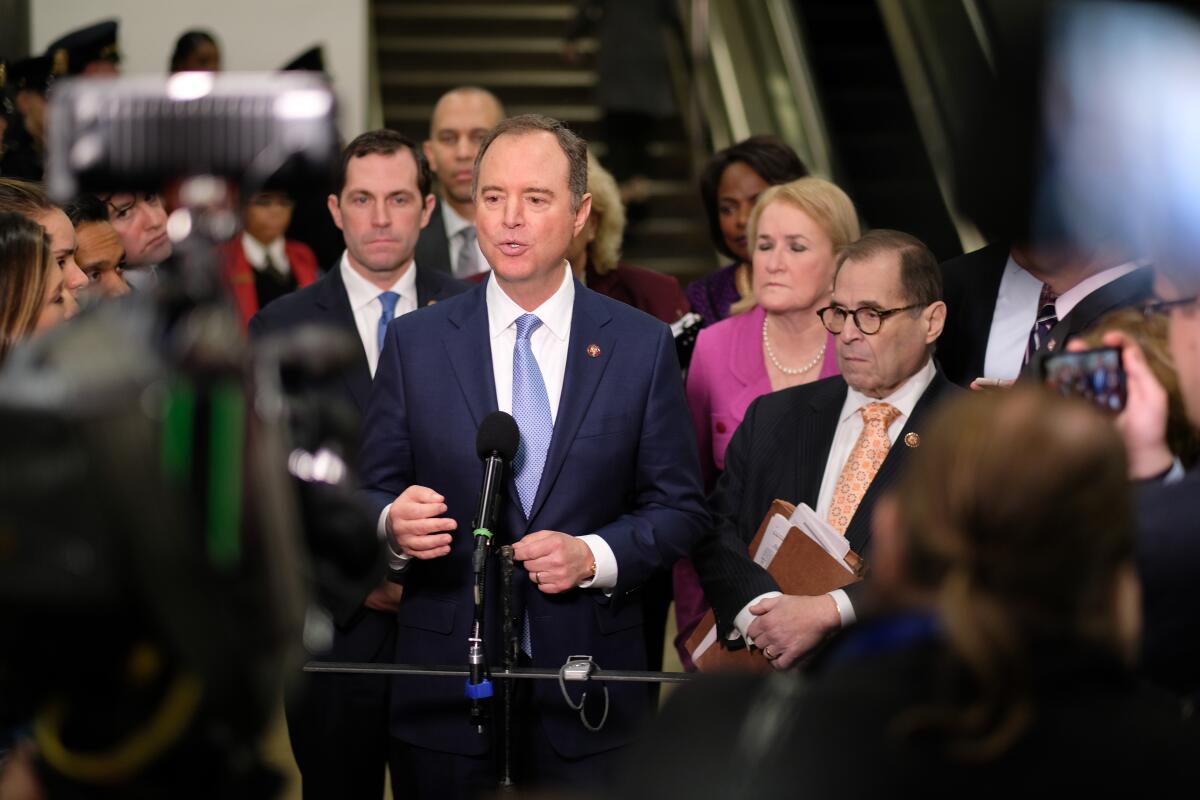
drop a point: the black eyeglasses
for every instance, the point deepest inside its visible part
(868, 320)
(1164, 307)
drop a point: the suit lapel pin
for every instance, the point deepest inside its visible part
(593, 350)
(1050, 345)
(912, 439)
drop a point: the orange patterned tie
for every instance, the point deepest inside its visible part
(869, 452)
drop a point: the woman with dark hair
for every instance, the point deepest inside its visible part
(32, 296)
(729, 186)
(196, 51)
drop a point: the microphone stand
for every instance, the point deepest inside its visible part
(479, 686)
(510, 660)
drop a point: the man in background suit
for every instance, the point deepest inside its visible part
(1168, 543)
(338, 724)
(1006, 305)
(835, 444)
(604, 490)
(461, 120)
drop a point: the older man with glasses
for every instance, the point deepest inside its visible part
(830, 444)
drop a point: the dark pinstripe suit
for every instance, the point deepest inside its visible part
(779, 451)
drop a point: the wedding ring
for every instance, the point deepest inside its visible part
(537, 578)
(767, 652)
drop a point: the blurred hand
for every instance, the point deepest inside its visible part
(981, 384)
(1143, 422)
(416, 523)
(790, 625)
(556, 562)
(385, 597)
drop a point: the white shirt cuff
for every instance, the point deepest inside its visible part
(844, 606)
(741, 622)
(606, 563)
(397, 561)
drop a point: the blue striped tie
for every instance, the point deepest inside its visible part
(531, 410)
(388, 300)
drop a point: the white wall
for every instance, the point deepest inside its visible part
(255, 35)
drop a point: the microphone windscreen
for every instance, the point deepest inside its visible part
(498, 433)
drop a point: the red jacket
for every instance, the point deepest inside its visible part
(239, 275)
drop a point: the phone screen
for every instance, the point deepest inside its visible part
(1095, 375)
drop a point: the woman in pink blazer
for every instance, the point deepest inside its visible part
(777, 340)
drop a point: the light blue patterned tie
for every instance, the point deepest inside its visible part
(531, 410)
(388, 300)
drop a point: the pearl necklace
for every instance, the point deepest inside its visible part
(790, 370)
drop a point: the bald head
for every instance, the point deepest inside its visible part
(461, 120)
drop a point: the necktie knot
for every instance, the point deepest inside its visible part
(388, 300)
(1047, 309)
(877, 413)
(526, 325)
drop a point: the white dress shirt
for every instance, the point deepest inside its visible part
(850, 425)
(257, 252)
(1075, 295)
(549, 344)
(1017, 309)
(367, 308)
(1012, 319)
(455, 224)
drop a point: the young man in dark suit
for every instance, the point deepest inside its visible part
(338, 724)
(461, 119)
(605, 491)
(1008, 307)
(836, 444)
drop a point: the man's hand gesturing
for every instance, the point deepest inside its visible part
(416, 524)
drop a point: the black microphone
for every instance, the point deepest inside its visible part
(496, 443)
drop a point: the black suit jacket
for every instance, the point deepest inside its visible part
(433, 248)
(325, 302)
(1168, 553)
(779, 451)
(970, 286)
(1128, 290)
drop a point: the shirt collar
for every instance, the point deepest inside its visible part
(256, 252)
(1072, 297)
(452, 220)
(361, 291)
(555, 313)
(903, 399)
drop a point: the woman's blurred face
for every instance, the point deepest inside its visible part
(62, 248)
(737, 191)
(793, 260)
(58, 304)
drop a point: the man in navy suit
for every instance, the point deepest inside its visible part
(338, 723)
(604, 491)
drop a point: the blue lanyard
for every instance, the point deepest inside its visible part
(888, 634)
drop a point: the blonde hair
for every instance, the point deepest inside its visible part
(24, 273)
(1150, 332)
(823, 201)
(604, 251)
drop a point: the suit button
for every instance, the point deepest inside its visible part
(720, 427)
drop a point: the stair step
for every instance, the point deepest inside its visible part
(480, 54)
(474, 19)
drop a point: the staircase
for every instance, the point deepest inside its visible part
(514, 50)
